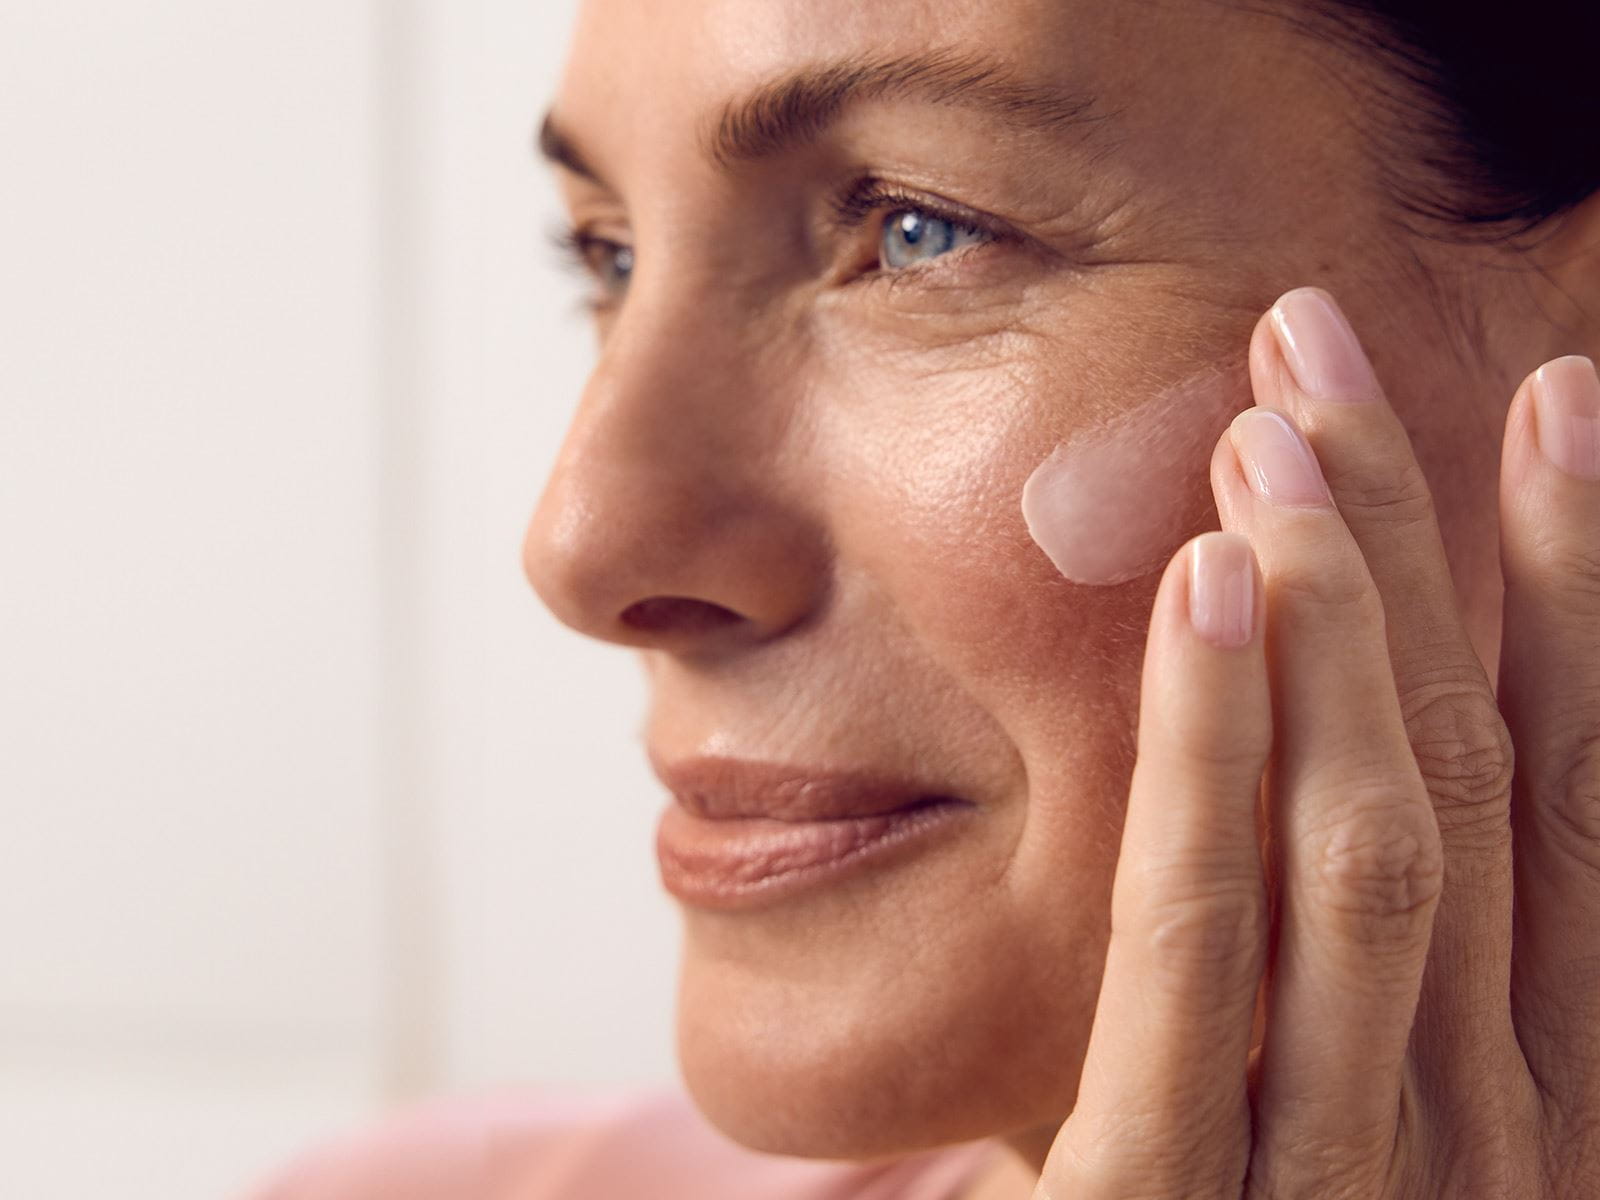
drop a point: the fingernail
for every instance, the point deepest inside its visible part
(1566, 403)
(1322, 351)
(1222, 589)
(1277, 460)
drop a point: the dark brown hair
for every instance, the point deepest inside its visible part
(1493, 108)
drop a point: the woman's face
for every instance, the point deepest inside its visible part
(885, 258)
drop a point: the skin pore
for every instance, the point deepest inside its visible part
(794, 482)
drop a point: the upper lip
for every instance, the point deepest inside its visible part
(719, 788)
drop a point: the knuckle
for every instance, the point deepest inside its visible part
(1217, 935)
(1224, 748)
(1461, 745)
(1346, 593)
(1382, 491)
(1381, 864)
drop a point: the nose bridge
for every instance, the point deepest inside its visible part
(672, 376)
(666, 520)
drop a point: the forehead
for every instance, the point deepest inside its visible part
(640, 75)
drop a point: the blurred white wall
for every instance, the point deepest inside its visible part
(307, 808)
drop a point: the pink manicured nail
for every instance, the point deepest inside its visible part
(1222, 589)
(1566, 402)
(1322, 351)
(1277, 460)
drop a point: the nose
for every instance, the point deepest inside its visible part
(666, 522)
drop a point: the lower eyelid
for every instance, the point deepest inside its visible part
(941, 264)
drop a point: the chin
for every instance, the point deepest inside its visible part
(836, 1032)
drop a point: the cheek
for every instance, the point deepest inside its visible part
(928, 483)
(935, 479)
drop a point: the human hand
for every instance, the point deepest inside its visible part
(1412, 1046)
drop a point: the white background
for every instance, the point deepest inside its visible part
(307, 808)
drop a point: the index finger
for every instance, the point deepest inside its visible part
(1162, 1105)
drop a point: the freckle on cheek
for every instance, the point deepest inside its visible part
(1115, 503)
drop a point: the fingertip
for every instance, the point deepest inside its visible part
(1566, 415)
(1541, 431)
(1224, 602)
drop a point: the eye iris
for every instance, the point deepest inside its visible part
(618, 266)
(910, 237)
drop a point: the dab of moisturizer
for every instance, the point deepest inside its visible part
(1114, 503)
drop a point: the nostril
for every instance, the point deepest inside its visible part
(680, 615)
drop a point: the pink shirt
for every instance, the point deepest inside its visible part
(650, 1146)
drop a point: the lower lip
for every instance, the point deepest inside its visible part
(747, 862)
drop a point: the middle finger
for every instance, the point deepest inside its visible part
(1305, 358)
(1356, 843)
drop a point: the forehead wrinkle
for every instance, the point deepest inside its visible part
(800, 105)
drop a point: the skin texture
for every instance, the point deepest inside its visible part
(794, 486)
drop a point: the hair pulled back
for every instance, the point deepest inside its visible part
(1499, 104)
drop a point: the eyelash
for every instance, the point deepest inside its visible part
(851, 210)
(575, 248)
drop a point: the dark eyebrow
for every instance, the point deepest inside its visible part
(798, 107)
(556, 146)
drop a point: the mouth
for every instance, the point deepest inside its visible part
(740, 834)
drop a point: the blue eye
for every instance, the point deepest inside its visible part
(911, 236)
(608, 264)
(613, 265)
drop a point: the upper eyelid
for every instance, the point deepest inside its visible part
(867, 195)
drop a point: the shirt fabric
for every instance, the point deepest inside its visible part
(637, 1146)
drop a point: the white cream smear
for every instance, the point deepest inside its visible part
(1115, 503)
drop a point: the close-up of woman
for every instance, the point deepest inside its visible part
(1106, 496)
